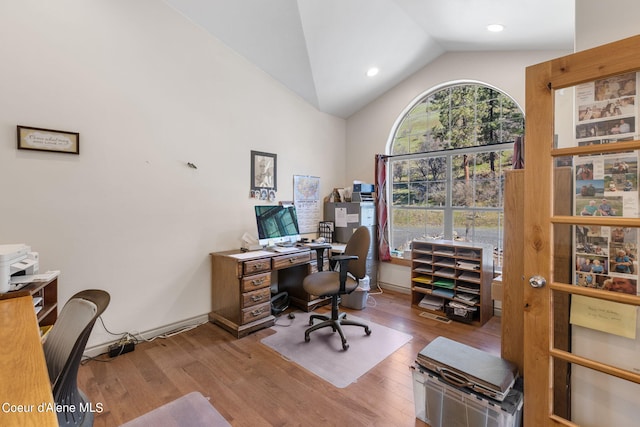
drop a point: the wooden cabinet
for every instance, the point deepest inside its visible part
(241, 287)
(512, 347)
(45, 299)
(452, 279)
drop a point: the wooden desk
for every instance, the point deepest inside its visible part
(241, 286)
(25, 390)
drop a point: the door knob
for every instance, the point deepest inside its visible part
(537, 281)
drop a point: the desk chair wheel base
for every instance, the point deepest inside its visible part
(335, 324)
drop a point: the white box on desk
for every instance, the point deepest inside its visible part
(442, 405)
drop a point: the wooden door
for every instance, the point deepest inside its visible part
(581, 354)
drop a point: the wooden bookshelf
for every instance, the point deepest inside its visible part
(452, 279)
(45, 298)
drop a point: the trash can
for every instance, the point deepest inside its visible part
(358, 298)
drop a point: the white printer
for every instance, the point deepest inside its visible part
(16, 259)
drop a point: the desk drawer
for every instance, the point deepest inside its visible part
(256, 297)
(256, 265)
(256, 281)
(284, 261)
(256, 312)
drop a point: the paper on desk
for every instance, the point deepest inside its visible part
(28, 278)
(251, 254)
(22, 279)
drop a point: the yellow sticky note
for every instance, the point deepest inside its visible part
(606, 316)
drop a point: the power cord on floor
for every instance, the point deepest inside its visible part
(291, 319)
(378, 292)
(124, 344)
(371, 294)
(128, 340)
(171, 333)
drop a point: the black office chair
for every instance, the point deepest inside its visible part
(336, 283)
(63, 350)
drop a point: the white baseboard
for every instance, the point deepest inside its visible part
(98, 349)
(397, 288)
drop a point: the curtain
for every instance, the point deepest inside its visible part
(381, 208)
(518, 153)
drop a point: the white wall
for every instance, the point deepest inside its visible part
(599, 22)
(368, 130)
(148, 91)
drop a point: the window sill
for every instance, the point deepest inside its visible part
(401, 261)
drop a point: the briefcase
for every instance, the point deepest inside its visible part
(465, 366)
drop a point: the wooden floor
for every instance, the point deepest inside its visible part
(251, 385)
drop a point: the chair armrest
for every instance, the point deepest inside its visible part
(341, 258)
(320, 255)
(343, 261)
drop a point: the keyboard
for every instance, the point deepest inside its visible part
(281, 249)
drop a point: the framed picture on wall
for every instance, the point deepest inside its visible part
(263, 171)
(48, 140)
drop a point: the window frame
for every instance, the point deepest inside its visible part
(449, 153)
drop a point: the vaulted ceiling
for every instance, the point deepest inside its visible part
(322, 49)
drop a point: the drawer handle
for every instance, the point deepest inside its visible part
(257, 312)
(257, 266)
(292, 260)
(255, 298)
(257, 282)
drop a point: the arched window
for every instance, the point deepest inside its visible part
(448, 153)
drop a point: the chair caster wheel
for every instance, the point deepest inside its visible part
(367, 331)
(307, 338)
(345, 346)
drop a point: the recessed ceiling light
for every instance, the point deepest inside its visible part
(372, 71)
(495, 28)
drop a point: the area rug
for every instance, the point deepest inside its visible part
(193, 410)
(324, 356)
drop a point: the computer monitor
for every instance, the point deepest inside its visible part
(277, 225)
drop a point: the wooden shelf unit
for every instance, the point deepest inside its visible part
(45, 295)
(448, 271)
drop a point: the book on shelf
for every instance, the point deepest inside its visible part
(444, 283)
(468, 289)
(423, 270)
(447, 293)
(446, 262)
(431, 303)
(423, 279)
(445, 252)
(457, 305)
(468, 265)
(467, 275)
(467, 299)
(446, 272)
(469, 254)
